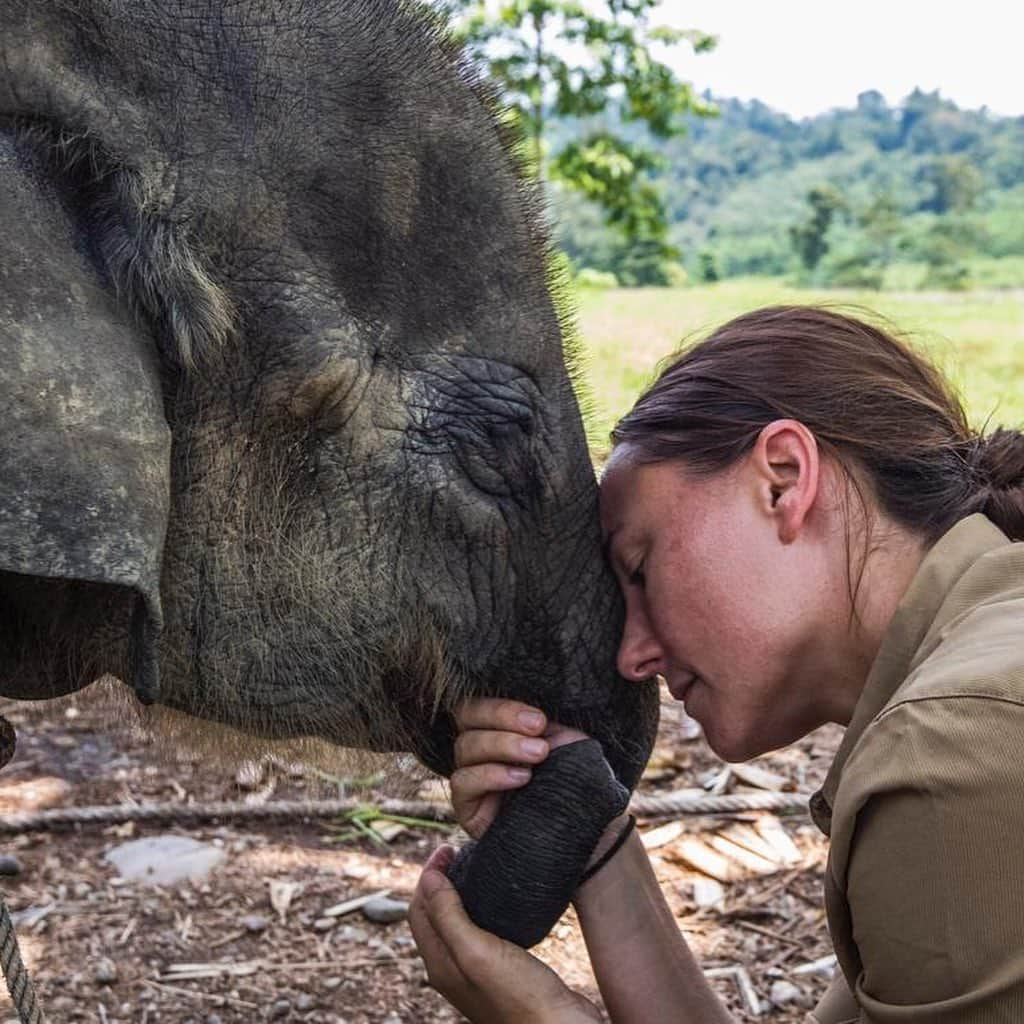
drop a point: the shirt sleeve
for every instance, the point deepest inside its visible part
(935, 875)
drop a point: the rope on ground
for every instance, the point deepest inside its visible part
(643, 806)
(23, 994)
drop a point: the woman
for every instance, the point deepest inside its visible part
(805, 530)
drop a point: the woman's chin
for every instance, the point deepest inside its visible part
(733, 746)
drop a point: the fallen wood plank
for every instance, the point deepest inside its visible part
(761, 778)
(661, 836)
(750, 861)
(696, 854)
(744, 835)
(771, 830)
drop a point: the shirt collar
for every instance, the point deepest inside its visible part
(943, 565)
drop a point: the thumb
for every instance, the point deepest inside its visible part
(441, 859)
(447, 916)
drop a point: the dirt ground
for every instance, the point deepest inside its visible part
(104, 950)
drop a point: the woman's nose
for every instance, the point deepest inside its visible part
(640, 653)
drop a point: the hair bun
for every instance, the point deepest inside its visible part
(997, 464)
(998, 460)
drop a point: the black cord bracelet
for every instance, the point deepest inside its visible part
(610, 852)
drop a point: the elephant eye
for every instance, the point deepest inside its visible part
(480, 415)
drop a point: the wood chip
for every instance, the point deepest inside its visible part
(770, 829)
(824, 965)
(718, 783)
(707, 893)
(761, 778)
(661, 836)
(750, 861)
(388, 830)
(281, 896)
(743, 983)
(696, 854)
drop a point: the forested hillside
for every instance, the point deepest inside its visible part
(921, 194)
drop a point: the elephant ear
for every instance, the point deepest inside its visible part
(85, 447)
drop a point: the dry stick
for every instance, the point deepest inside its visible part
(178, 990)
(767, 932)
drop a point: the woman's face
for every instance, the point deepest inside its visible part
(744, 615)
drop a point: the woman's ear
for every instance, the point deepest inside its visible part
(786, 463)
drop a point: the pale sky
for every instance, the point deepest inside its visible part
(803, 57)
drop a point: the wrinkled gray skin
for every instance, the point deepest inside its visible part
(289, 441)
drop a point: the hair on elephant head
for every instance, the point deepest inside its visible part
(290, 437)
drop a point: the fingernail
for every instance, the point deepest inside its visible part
(533, 748)
(531, 719)
(431, 881)
(440, 858)
(519, 774)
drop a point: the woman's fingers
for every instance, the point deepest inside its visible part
(501, 714)
(442, 971)
(483, 746)
(476, 793)
(499, 741)
(471, 951)
(489, 980)
(558, 735)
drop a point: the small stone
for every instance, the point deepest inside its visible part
(9, 865)
(324, 924)
(105, 973)
(305, 1002)
(255, 923)
(384, 952)
(351, 934)
(332, 983)
(356, 871)
(214, 1018)
(785, 992)
(280, 1009)
(384, 910)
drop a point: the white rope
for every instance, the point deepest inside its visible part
(643, 806)
(23, 994)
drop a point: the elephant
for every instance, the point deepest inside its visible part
(290, 438)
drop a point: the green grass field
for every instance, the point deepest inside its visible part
(976, 337)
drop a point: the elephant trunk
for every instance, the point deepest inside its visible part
(519, 878)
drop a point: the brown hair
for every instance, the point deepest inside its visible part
(882, 410)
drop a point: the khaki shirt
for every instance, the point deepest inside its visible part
(924, 803)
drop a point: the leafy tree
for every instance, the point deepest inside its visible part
(808, 238)
(595, 62)
(952, 184)
(709, 271)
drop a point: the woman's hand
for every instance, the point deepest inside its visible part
(499, 741)
(489, 980)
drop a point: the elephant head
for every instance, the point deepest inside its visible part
(290, 437)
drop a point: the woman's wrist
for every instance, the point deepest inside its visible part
(614, 833)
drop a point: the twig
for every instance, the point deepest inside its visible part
(219, 999)
(768, 933)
